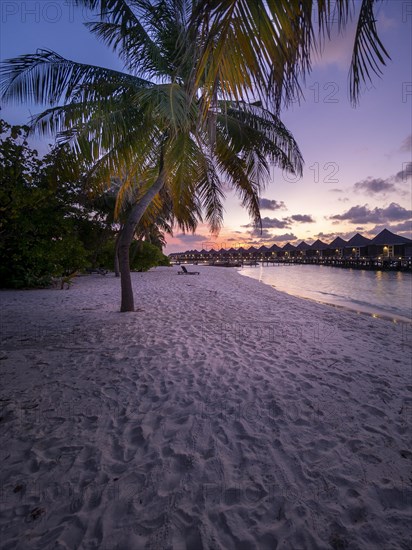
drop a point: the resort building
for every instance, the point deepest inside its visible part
(301, 249)
(357, 246)
(388, 245)
(337, 248)
(384, 250)
(317, 249)
(288, 251)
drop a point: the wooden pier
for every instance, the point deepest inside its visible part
(387, 264)
(372, 264)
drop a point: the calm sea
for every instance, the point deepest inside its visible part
(378, 293)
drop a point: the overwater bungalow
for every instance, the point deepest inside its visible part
(357, 246)
(275, 251)
(388, 245)
(232, 253)
(336, 248)
(357, 252)
(252, 252)
(263, 252)
(223, 255)
(288, 251)
(301, 249)
(316, 249)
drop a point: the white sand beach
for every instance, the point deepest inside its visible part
(221, 415)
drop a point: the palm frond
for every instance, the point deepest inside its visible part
(263, 48)
(369, 54)
(48, 78)
(235, 170)
(182, 167)
(253, 128)
(211, 196)
(168, 103)
(140, 54)
(117, 11)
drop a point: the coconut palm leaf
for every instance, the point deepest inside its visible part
(115, 10)
(140, 54)
(260, 130)
(264, 48)
(48, 78)
(369, 53)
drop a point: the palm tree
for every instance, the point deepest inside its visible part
(156, 221)
(264, 48)
(147, 125)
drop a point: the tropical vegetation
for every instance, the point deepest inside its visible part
(197, 107)
(49, 228)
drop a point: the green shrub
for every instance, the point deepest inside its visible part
(144, 255)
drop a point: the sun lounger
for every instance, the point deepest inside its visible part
(98, 270)
(186, 272)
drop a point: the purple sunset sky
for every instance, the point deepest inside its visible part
(357, 173)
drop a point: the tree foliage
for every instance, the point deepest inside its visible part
(128, 124)
(47, 229)
(49, 226)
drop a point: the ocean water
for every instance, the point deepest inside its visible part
(378, 293)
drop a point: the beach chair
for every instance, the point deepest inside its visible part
(186, 272)
(98, 270)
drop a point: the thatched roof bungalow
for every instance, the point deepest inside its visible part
(337, 247)
(288, 251)
(274, 251)
(388, 245)
(357, 246)
(302, 248)
(263, 252)
(317, 248)
(384, 245)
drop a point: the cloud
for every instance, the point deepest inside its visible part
(189, 237)
(385, 22)
(285, 237)
(329, 237)
(385, 185)
(335, 190)
(271, 223)
(336, 52)
(264, 235)
(406, 146)
(285, 223)
(363, 214)
(269, 204)
(405, 173)
(303, 218)
(326, 236)
(191, 240)
(374, 185)
(399, 227)
(403, 226)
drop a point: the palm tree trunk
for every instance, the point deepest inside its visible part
(116, 254)
(126, 239)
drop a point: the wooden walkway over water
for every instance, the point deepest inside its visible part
(374, 264)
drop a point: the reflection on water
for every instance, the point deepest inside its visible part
(381, 293)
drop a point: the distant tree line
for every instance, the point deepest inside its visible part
(50, 226)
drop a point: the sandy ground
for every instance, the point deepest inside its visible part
(221, 415)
